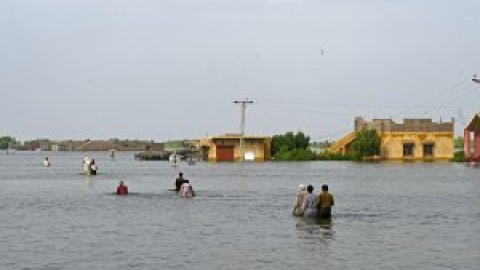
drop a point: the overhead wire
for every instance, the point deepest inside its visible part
(435, 103)
(297, 110)
(330, 135)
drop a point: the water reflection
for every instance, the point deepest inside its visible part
(87, 184)
(318, 228)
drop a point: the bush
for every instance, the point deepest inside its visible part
(367, 144)
(295, 155)
(335, 156)
(290, 141)
(458, 157)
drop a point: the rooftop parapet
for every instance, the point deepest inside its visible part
(408, 125)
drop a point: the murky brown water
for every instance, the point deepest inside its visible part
(388, 216)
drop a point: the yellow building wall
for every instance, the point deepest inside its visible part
(256, 147)
(392, 144)
(260, 148)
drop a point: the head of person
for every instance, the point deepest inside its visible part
(309, 188)
(180, 174)
(120, 183)
(302, 187)
(324, 188)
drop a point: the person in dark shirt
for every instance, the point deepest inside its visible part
(93, 167)
(179, 181)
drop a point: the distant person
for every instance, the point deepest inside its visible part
(86, 165)
(186, 190)
(325, 203)
(299, 199)
(46, 162)
(93, 167)
(122, 189)
(180, 181)
(310, 204)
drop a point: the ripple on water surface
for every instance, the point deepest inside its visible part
(415, 216)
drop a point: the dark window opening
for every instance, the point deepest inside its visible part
(428, 150)
(408, 150)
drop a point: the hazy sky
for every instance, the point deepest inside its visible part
(171, 69)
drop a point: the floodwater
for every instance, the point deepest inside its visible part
(387, 216)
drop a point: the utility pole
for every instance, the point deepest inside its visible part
(243, 104)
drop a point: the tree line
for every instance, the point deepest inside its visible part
(7, 142)
(292, 146)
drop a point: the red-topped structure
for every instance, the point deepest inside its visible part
(471, 139)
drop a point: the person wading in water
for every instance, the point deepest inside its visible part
(122, 189)
(325, 203)
(180, 181)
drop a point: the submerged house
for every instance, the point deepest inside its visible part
(229, 147)
(414, 139)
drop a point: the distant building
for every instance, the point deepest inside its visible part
(471, 139)
(93, 145)
(58, 147)
(414, 139)
(112, 144)
(38, 144)
(227, 148)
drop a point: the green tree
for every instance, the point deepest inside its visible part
(291, 146)
(291, 141)
(7, 141)
(458, 156)
(367, 143)
(458, 142)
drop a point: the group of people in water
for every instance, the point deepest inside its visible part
(89, 166)
(309, 205)
(306, 204)
(182, 187)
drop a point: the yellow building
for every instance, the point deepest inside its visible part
(228, 148)
(414, 139)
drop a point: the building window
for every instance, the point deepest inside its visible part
(428, 150)
(408, 149)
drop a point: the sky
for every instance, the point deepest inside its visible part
(171, 69)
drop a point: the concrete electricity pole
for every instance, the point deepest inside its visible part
(243, 104)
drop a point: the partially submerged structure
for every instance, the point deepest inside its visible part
(471, 139)
(235, 147)
(414, 139)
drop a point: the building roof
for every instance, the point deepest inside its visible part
(237, 136)
(474, 124)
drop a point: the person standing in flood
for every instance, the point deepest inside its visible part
(93, 167)
(179, 181)
(46, 162)
(324, 203)
(186, 190)
(299, 199)
(122, 189)
(310, 204)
